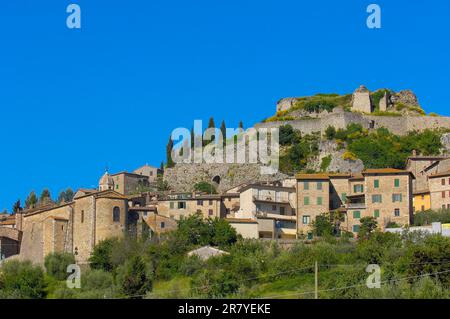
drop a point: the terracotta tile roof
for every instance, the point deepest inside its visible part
(357, 176)
(312, 176)
(241, 220)
(442, 174)
(384, 171)
(422, 191)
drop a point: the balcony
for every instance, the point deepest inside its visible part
(361, 205)
(272, 199)
(276, 216)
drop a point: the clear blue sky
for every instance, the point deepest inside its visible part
(73, 102)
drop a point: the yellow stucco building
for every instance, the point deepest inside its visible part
(421, 201)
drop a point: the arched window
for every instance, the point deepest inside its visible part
(216, 179)
(116, 214)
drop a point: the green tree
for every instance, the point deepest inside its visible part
(69, 195)
(56, 264)
(223, 130)
(31, 200)
(330, 133)
(205, 187)
(16, 207)
(134, 281)
(21, 280)
(101, 257)
(367, 227)
(223, 233)
(169, 148)
(45, 197)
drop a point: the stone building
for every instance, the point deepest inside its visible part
(385, 194)
(150, 171)
(439, 189)
(361, 100)
(272, 205)
(127, 183)
(74, 227)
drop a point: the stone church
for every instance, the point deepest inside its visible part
(77, 226)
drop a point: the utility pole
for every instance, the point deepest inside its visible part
(316, 281)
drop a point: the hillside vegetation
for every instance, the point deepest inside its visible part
(412, 266)
(377, 149)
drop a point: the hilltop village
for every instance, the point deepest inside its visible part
(278, 207)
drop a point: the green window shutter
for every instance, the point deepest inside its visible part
(344, 197)
(401, 197)
(306, 200)
(376, 183)
(319, 185)
(354, 189)
(171, 205)
(319, 200)
(356, 214)
(306, 185)
(396, 182)
(376, 213)
(355, 228)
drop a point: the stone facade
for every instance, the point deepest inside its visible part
(399, 125)
(361, 100)
(439, 186)
(74, 227)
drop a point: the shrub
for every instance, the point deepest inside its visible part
(330, 133)
(133, 278)
(21, 280)
(205, 187)
(101, 257)
(368, 226)
(429, 216)
(56, 264)
(325, 163)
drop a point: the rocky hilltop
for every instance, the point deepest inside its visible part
(334, 133)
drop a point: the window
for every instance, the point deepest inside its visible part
(376, 199)
(306, 200)
(443, 206)
(145, 214)
(423, 208)
(396, 198)
(181, 205)
(306, 185)
(282, 210)
(376, 183)
(116, 214)
(423, 197)
(258, 207)
(199, 202)
(171, 205)
(319, 200)
(306, 219)
(358, 188)
(376, 213)
(344, 197)
(356, 214)
(163, 225)
(210, 202)
(319, 186)
(151, 173)
(355, 228)
(210, 212)
(396, 212)
(274, 207)
(82, 216)
(117, 186)
(396, 182)
(443, 181)
(443, 194)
